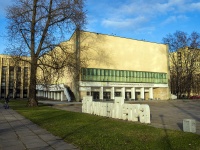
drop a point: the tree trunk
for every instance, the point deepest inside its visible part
(32, 87)
(77, 70)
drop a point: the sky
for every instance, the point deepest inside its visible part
(149, 20)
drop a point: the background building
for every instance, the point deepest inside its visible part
(14, 78)
(185, 72)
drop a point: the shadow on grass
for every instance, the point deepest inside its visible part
(83, 127)
(166, 134)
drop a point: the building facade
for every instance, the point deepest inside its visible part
(14, 78)
(185, 72)
(116, 66)
(113, 66)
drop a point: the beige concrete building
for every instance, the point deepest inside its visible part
(116, 66)
(14, 78)
(110, 66)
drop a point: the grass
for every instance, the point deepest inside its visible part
(90, 132)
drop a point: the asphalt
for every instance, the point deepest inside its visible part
(19, 133)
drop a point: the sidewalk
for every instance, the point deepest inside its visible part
(19, 133)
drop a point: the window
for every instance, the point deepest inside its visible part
(94, 72)
(84, 71)
(109, 75)
(102, 72)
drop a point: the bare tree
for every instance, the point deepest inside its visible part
(184, 58)
(36, 27)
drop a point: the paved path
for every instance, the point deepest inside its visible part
(164, 114)
(18, 133)
(170, 114)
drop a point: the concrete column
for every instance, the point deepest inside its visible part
(52, 95)
(38, 93)
(62, 96)
(112, 93)
(123, 92)
(49, 95)
(133, 93)
(55, 96)
(58, 96)
(142, 93)
(101, 93)
(151, 93)
(42, 93)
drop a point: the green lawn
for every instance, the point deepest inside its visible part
(92, 132)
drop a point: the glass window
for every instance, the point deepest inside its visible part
(88, 71)
(84, 71)
(135, 74)
(106, 72)
(113, 72)
(127, 73)
(102, 72)
(138, 74)
(143, 75)
(152, 75)
(98, 72)
(94, 72)
(117, 73)
(121, 73)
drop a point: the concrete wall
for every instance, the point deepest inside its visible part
(113, 52)
(161, 93)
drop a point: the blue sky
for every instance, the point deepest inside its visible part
(149, 20)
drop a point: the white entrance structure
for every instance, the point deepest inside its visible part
(129, 91)
(54, 92)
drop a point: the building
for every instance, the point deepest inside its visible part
(106, 67)
(185, 72)
(14, 77)
(117, 66)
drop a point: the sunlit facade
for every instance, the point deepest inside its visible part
(116, 66)
(14, 78)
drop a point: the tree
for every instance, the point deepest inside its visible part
(184, 59)
(36, 27)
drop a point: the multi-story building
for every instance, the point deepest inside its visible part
(113, 66)
(116, 66)
(14, 77)
(185, 72)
